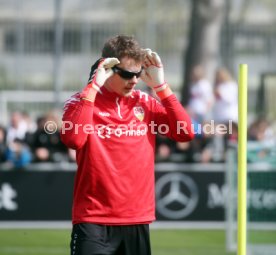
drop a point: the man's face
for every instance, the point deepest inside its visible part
(122, 86)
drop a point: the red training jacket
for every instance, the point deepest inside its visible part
(115, 143)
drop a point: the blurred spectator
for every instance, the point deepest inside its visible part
(163, 148)
(225, 111)
(31, 125)
(260, 130)
(201, 96)
(18, 154)
(215, 149)
(47, 147)
(183, 152)
(17, 128)
(191, 152)
(226, 97)
(3, 146)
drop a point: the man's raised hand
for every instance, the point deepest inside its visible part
(101, 71)
(153, 72)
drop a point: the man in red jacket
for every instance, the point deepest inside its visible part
(112, 127)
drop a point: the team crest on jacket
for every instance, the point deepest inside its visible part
(139, 112)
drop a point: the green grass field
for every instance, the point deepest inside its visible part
(164, 242)
(169, 242)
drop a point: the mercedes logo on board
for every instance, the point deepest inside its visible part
(177, 195)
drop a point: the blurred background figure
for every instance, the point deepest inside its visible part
(47, 147)
(18, 154)
(226, 97)
(260, 130)
(225, 111)
(216, 145)
(30, 123)
(201, 95)
(214, 150)
(17, 128)
(163, 148)
(261, 133)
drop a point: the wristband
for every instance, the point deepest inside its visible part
(160, 87)
(89, 92)
(164, 93)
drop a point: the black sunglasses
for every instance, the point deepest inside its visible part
(126, 74)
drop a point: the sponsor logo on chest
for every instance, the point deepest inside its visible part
(139, 112)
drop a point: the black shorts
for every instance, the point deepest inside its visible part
(94, 239)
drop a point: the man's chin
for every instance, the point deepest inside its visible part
(127, 93)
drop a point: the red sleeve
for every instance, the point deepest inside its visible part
(76, 121)
(172, 114)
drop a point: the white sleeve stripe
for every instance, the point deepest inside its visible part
(71, 101)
